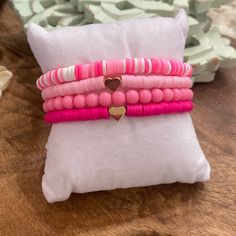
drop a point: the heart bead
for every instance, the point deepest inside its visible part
(112, 82)
(117, 112)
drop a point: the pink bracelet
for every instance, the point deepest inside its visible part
(130, 110)
(114, 67)
(117, 98)
(125, 81)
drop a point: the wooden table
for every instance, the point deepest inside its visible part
(175, 209)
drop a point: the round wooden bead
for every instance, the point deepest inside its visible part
(132, 96)
(145, 96)
(177, 95)
(79, 101)
(188, 94)
(50, 105)
(58, 103)
(118, 98)
(67, 102)
(45, 107)
(92, 100)
(168, 95)
(104, 99)
(157, 95)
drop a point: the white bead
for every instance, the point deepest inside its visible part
(143, 65)
(104, 67)
(169, 68)
(149, 66)
(124, 66)
(135, 65)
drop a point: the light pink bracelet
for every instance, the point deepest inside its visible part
(117, 98)
(124, 81)
(133, 66)
(130, 110)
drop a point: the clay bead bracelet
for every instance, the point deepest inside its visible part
(124, 81)
(118, 112)
(117, 98)
(114, 67)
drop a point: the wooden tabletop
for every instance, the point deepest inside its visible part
(174, 209)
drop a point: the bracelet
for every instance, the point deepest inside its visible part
(114, 67)
(118, 112)
(117, 98)
(124, 81)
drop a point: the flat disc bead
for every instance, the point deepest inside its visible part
(178, 82)
(188, 82)
(157, 95)
(168, 95)
(104, 99)
(145, 96)
(132, 96)
(118, 98)
(168, 82)
(92, 100)
(79, 101)
(58, 103)
(67, 102)
(147, 82)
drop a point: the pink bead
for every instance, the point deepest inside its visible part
(45, 107)
(165, 67)
(188, 82)
(177, 95)
(178, 82)
(132, 96)
(50, 105)
(58, 103)
(118, 98)
(79, 101)
(147, 82)
(145, 96)
(104, 99)
(168, 82)
(92, 100)
(168, 95)
(188, 94)
(157, 95)
(67, 102)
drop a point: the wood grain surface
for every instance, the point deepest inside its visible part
(175, 209)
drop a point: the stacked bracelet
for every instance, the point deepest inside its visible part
(117, 98)
(124, 81)
(133, 66)
(117, 112)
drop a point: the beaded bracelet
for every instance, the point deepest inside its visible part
(118, 112)
(124, 81)
(114, 67)
(117, 98)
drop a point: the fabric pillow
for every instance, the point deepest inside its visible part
(126, 39)
(103, 155)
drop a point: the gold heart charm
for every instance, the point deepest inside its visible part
(112, 82)
(117, 112)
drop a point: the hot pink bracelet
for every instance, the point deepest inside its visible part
(124, 81)
(130, 110)
(117, 98)
(133, 66)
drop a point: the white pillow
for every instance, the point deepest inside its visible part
(134, 38)
(106, 154)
